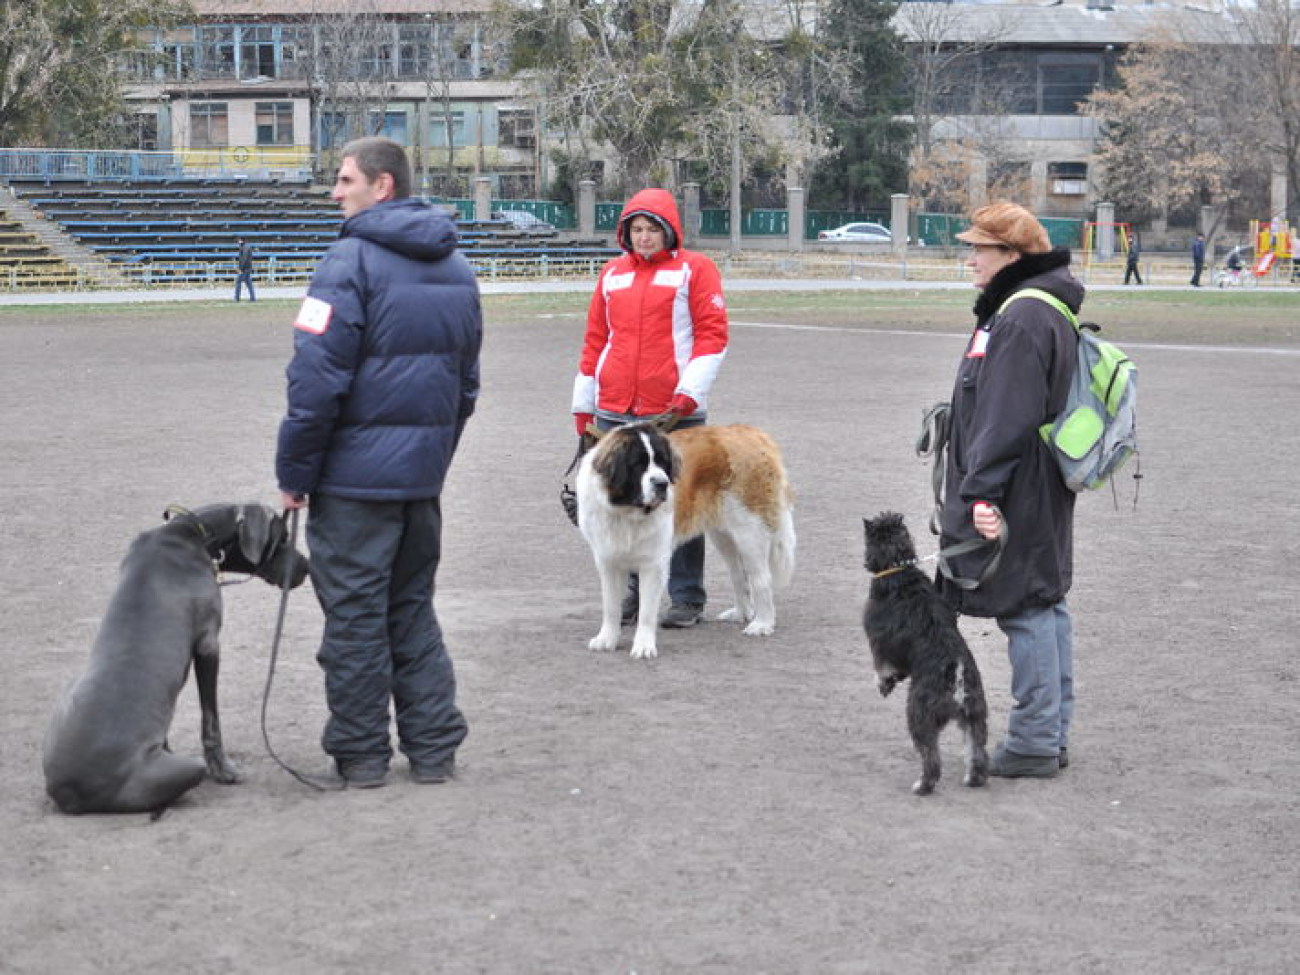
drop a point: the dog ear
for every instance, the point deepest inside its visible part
(254, 522)
(666, 456)
(611, 464)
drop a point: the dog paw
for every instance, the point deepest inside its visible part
(885, 685)
(974, 780)
(224, 772)
(644, 650)
(922, 788)
(603, 641)
(759, 628)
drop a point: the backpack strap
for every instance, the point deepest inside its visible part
(1047, 298)
(1045, 429)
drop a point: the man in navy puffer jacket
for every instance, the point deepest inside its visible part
(383, 377)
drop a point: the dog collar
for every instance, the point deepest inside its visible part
(909, 564)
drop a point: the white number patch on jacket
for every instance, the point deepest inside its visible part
(314, 316)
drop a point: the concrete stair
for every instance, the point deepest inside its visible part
(98, 272)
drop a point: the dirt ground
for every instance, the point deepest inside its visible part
(738, 805)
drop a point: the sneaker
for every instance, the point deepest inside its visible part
(1063, 759)
(631, 607)
(433, 773)
(362, 773)
(1012, 765)
(681, 615)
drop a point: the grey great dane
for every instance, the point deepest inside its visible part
(106, 749)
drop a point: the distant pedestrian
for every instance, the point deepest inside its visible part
(1198, 259)
(244, 262)
(1131, 263)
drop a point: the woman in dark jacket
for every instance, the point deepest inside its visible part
(1000, 479)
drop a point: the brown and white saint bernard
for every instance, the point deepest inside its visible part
(641, 493)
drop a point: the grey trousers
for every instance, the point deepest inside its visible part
(1040, 644)
(373, 566)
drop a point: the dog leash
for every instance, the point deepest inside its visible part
(961, 548)
(568, 496)
(285, 587)
(909, 564)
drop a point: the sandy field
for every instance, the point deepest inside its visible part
(738, 805)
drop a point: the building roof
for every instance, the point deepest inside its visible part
(252, 9)
(1049, 22)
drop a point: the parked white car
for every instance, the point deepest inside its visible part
(860, 233)
(523, 220)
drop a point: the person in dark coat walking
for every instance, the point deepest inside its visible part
(1198, 259)
(384, 376)
(1131, 269)
(244, 265)
(1001, 480)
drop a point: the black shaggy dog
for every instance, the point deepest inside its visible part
(913, 633)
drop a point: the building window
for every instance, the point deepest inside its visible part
(391, 125)
(274, 123)
(217, 51)
(143, 127)
(1067, 178)
(257, 60)
(516, 128)
(447, 129)
(178, 60)
(209, 125)
(335, 129)
(1066, 81)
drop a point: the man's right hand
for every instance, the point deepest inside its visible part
(582, 420)
(292, 502)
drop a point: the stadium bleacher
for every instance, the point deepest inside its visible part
(27, 263)
(183, 228)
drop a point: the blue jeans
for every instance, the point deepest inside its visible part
(373, 565)
(686, 569)
(1040, 645)
(245, 278)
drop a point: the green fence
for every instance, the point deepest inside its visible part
(941, 229)
(559, 215)
(932, 229)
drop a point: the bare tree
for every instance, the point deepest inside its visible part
(657, 81)
(945, 43)
(1273, 29)
(443, 49)
(958, 109)
(351, 67)
(1183, 128)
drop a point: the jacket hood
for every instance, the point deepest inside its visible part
(410, 227)
(657, 204)
(1049, 271)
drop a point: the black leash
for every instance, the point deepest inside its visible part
(568, 496)
(285, 587)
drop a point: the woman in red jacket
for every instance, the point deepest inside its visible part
(656, 336)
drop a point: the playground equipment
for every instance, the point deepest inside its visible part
(1276, 244)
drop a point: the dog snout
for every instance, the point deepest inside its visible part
(299, 570)
(287, 563)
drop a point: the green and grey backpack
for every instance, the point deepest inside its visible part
(1096, 433)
